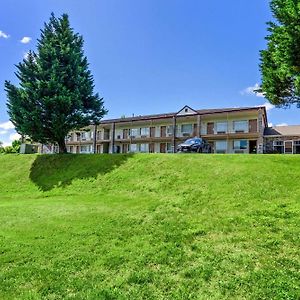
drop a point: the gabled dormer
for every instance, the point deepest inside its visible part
(186, 110)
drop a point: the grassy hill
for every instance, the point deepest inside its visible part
(149, 227)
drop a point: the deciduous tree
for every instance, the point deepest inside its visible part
(280, 62)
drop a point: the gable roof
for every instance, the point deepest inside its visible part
(186, 110)
(291, 130)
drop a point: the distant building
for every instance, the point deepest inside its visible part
(282, 139)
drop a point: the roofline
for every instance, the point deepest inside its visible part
(172, 115)
(281, 135)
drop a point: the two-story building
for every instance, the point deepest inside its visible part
(228, 130)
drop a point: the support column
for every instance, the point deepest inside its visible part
(261, 128)
(113, 127)
(95, 139)
(199, 125)
(174, 134)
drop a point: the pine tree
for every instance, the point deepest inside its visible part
(55, 94)
(280, 62)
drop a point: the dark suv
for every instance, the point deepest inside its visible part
(194, 145)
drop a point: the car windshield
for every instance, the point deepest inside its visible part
(191, 141)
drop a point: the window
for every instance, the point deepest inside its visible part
(133, 148)
(170, 130)
(86, 135)
(297, 143)
(85, 149)
(221, 127)
(144, 147)
(278, 146)
(240, 144)
(145, 131)
(278, 143)
(169, 148)
(186, 128)
(133, 132)
(240, 126)
(221, 146)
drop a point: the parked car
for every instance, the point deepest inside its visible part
(194, 145)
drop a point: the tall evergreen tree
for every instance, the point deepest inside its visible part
(280, 62)
(55, 94)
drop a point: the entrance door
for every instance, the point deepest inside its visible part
(252, 147)
(210, 128)
(151, 147)
(152, 131)
(288, 147)
(163, 148)
(253, 125)
(163, 131)
(125, 133)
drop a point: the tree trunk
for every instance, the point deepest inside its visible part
(62, 147)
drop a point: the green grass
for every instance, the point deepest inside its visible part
(149, 227)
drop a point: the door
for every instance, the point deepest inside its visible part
(253, 125)
(252, 147)
(163, 131)
(151, 147)
(210, 128)
(125, 133)
(195, 134)
(288, 147)
(163, 148)
(152, 131)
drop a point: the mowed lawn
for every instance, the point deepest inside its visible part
(150, 226)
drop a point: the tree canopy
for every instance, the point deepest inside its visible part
(280, 62)
(56, 88)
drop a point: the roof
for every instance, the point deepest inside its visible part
(170, 115)
(291, 130)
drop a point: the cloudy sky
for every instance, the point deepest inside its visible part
(152, 56)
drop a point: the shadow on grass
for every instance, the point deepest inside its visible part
(59, 170)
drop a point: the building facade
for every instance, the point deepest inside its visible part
(228, 130)
(282, 139)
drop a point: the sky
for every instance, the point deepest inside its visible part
(152, 56)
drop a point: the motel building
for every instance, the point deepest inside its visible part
(227, 130)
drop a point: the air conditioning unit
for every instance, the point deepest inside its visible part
(239, 131)
(221, 132)
(186, 134)
(144, 136)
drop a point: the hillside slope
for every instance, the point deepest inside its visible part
(149, 227)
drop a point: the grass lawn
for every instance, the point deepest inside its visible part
(150, 227)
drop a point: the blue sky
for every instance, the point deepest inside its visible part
(152, 56)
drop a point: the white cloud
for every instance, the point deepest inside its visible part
(3, 35)
(25, 40)
(251, 91)
(7, 125)
(270, 124)
(282, 124)
(3, 132)
(268, 106)
(14, 136)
